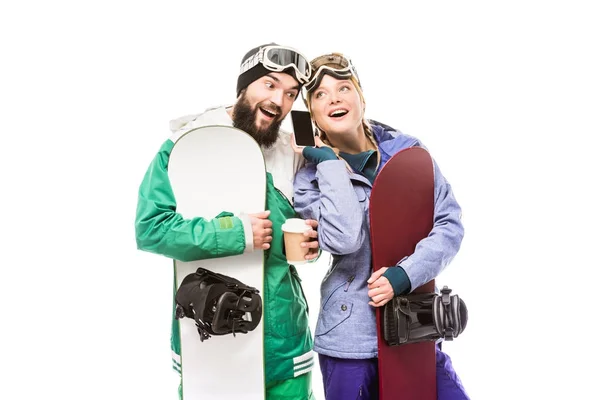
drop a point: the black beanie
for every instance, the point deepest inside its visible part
(257, 71)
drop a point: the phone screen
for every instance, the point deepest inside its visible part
(303, 128)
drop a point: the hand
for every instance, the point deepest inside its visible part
(261, 229)
(298, 149)
(380, 289)
(311, 243)
(320, 153)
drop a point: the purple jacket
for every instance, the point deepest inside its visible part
(339, 200)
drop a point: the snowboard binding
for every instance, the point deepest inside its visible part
(424, 317)
(218, 303)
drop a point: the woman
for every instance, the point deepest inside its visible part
(334, 188)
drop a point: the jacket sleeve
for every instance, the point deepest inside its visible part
(160, 229)
(437, 250)
(325, 193)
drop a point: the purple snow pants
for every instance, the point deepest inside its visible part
(348, 379)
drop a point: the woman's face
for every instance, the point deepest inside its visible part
(337, 107)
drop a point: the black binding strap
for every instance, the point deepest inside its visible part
(218, 303)
(424, 317)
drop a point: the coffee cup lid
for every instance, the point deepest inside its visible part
(295, 225)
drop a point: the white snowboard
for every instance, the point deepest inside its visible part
(214, 169)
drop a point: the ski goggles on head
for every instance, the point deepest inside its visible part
(278, 59)
(334, 64)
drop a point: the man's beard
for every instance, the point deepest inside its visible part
(244, 118)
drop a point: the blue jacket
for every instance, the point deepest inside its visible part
(339, 200)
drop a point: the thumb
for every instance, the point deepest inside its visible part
(375, 275)
(262, 214)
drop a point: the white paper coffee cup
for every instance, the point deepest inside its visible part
(293, 234)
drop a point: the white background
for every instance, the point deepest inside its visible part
(505, 95)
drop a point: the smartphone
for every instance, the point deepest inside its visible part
(304, 132)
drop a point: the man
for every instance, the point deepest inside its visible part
(270, 80)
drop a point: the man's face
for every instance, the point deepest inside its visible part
(263, 105)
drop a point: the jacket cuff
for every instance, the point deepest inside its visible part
(398, 279)
(229, 235)
(245, 218)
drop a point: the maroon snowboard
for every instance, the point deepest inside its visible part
(401, 214)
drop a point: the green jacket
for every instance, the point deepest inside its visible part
(160, 229)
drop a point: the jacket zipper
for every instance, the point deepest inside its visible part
(348, 282)
(285, 197)
(297, 277)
